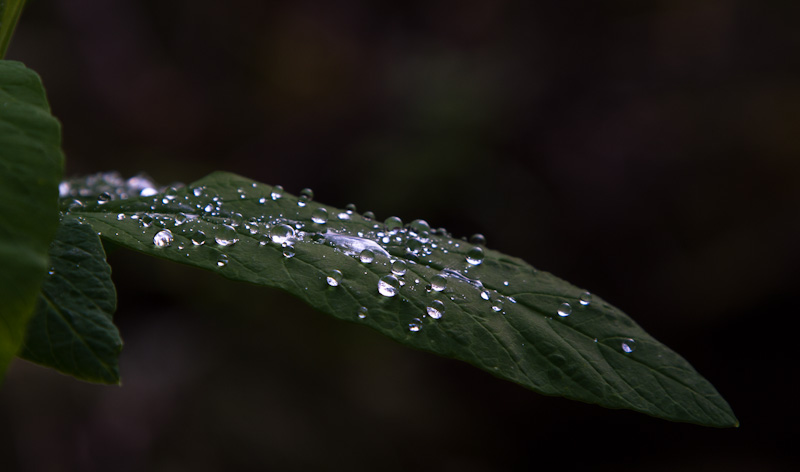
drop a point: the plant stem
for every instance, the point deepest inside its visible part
(10, 10)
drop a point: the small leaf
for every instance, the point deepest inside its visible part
(72, 329)
(420, 287)
(30, 169)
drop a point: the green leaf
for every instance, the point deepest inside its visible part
(72, 330)
(30, 169)
(10, 10)
(501, 315)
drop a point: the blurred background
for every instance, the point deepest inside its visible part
(646, 151)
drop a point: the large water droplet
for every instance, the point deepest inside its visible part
(281, 234)
(435, 309)
(388, 286)
(334, 278)
(628, 346)
(564, 310)
(198, 238)
(399, 267)
(368, 215)
(586, 298)
(475, 256)
(438, 283)
(366, 256)
(163, 238)
(226, 235)
(393, 223)
(319, 216)
(362, 312)
(478, 239)
(306, 195)
(420, 226)
(415, 325)
(277, 192)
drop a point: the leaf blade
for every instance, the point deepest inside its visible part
(501, 314)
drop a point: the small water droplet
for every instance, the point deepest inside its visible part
(222, 260)
(198, 238)
(436, 309)
(350, 207)
(319, 216)
(628, 346)
(393, 223)
(485, 295)
(368, 215)
(103, 198)
(277, 192)
(226, 235)
(475, 256)
(334, 278)
(362, 312)
(505, 283)
(420, 226)
(399, 267)
(388, 286)
(586, 298)
(262, 200)
(163, 238)
(308, 193)
(478, 239)
(51, 271)
(497, 304)
(288, 252)
(281, 234)
(197, 191)
(120, 216)
(564, 310)
(366, 256)
(415, 325)
(438, 283)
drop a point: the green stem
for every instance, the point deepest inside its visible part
(10, 10)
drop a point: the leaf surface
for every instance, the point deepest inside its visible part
(72, 329)
(493, 311)
(30, 169)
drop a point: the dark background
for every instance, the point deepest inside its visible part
(647, 151)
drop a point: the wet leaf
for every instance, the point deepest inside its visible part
(420, 287)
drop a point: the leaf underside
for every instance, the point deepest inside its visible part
(72, 329)
(30, 170)
(501, 315)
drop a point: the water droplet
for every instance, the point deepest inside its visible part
(438, 283)
(281, 234)
(120, 216)
(564, 310)
(475, 256)
(198, 238)
(505, 283)
(366, 256)
(288, 252)
(362, 312)
(308, 193)
(350, 207)
(478, 239)
(163, 238)
(197, 191)
(226, 235)
(586, 298)
(103, 198)
(415, 325)
(628, 346)
(319, 216)
(497, 304)
(369, 215)
(277, 192)
(262, 200)
(399, 267)
(222, 260)
(334, 278)
(393, 223)
(388, 286)
(420, 226)
(51, 271)
(435, 309)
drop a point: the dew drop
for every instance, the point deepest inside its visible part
(197, 191)
(103, 198)
(628, 346)
(120, 216)
(222, 260)
(198, 238)
(277, 192)
(262, 200)
(485, 295)
(362, 312)
(226, 235)
(307, 193)
(388, 286)
(288, 252)
(319, 216)
(368, 215)
(478, 239)
(420, 226)
(393, 223)
(475, 256)
(586, 298)
(435, 309)
(163, 238)
(350, 207)
(281, 234)
(438, 283)
(334, 278)
(497, 304)
(564, 310)
(415, 325)
(399, 267)
(366, 256)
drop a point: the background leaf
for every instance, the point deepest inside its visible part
(30, 169)
(72, 329)
(452, 297)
